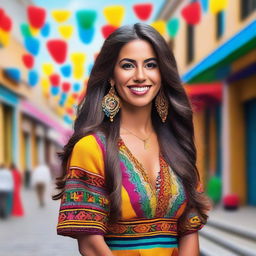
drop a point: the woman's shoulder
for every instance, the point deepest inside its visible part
(91, 143)
(88, 154)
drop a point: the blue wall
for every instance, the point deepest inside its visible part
(250, 118)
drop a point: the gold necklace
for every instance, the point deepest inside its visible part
(145, 141)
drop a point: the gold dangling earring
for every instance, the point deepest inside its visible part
(111, 103)
(161, 104)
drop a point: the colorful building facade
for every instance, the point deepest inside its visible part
(217, 62)
(30, 131)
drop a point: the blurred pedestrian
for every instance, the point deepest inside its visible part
(41, 179)
(17, 208)
(6, 191)
(27, 178)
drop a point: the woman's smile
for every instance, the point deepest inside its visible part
(139, 90)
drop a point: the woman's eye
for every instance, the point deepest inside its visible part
(151, 65)
(127, 66)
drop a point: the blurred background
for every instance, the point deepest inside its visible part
(47, 49)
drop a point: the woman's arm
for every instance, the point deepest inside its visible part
(93, 245)
(189, 245)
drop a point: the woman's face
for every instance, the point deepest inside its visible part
(137, 77)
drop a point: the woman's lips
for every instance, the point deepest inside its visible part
(139, 90)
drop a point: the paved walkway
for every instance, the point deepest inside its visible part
(244, 217)
(35, 233)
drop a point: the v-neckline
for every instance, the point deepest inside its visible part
(143, 169)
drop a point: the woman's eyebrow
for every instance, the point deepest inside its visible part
(147, 60)
(134, 61)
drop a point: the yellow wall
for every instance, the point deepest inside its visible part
(237, 143)
(8, 127)
(199, 122)
(22, 146)
(212, 143)
(249, 88)
(200, 141)
(33, 147)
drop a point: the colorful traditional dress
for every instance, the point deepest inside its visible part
(149, 220)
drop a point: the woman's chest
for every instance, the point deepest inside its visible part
(141, 198)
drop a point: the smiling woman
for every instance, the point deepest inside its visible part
(130, 185)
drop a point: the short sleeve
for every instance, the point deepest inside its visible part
(84, 205)
(193, 221)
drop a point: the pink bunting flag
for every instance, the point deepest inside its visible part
(70, 111)
(66, 86)
(36, 16)
(58, 50)
(192, 13)
(143, 11)
(55, 79)
(28, 60)
(107, 30)
(5, 21)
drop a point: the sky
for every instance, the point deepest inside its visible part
(75, 43)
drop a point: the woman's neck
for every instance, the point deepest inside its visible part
(137, 119)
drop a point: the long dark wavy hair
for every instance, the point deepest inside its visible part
(176, 135)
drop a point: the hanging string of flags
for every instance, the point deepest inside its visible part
(64, 76)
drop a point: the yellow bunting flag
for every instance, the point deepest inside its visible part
(66, 31)
(47, 68)
(45, 83)
(78, 58)
(4, 37)
(217, 5)
(59, 110)
(160, 26)
(114, 14)
(61, 15)
(78, 72)
(70, 101)
(34, 31)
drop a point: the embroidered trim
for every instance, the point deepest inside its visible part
(143, 227)
(147, 200)
(164, 194)
(85, 176)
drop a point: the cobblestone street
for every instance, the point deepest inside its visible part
(35, 233)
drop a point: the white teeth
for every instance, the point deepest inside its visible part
(140, 89)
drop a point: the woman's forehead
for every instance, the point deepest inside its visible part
(137, 49)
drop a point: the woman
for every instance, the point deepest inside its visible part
(131, 182)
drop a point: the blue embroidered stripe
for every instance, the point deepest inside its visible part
(142, 242)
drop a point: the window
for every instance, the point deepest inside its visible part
(220, 23)
(190, 43)
(247, 7)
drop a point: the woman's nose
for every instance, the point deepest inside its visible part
(139, 74)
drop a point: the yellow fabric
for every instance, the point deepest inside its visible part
(126, 208)
(148, 252)
(87, 155)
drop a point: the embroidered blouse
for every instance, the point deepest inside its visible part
(149, 218)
